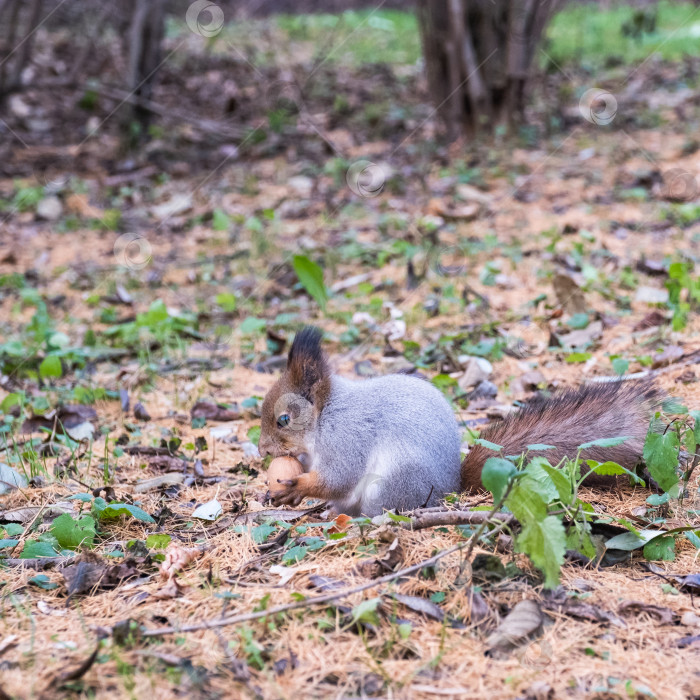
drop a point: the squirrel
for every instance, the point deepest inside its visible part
(393, 442)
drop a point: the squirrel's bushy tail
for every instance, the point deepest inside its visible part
(569, 419)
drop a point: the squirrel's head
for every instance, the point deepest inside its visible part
(292, 406)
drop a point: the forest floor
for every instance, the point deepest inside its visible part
(147, 306)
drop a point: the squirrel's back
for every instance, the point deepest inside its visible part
(570, 418)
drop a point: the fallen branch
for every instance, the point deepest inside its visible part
(455, 517)
(317, 600)
(38, 563)
(689, 358)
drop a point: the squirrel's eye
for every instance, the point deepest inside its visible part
(283, 420)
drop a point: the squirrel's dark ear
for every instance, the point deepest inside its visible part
(307, 367)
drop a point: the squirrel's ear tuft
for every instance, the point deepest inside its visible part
(307, 367)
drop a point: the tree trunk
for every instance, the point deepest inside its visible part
(16, 41)
(144, 46)
(478, 56)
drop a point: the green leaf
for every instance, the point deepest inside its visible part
(603, 442)
(254, 434)
(575, 357)
(620, 365)
(612, 469)
(98, 506)
(294, 554)
(657, 499)
(578, 538)
(84, 497)
(661, 457)
(50, 367)
(314, 543)
(262, 532)
(526, 503)
(42, 581)
(220, 220)
(5, 543)
(544, 541)
(496, 474)
(628, 541)
(578, 321)
(59, 340)
(543, 537)
(605, 468)
(71, 534)
(696, 428)
(536, 472)
(311, 277)
(252, 325)
(626, 523)
(158, 541)
(693, 537)
(113, 510)
(488, 445)
(560, 481)
(34, 549)
(398, 518)
(366, 611)
(660, 549)
(444, 381)
(537, 447)
(227, 301)
(10, 401)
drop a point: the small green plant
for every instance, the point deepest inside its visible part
(553, 518)
(683, 292)
(310, 276)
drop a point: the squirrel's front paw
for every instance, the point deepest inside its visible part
(290, 495)
(295, 490)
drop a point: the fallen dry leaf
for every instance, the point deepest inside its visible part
(521, 622)
(569, 294)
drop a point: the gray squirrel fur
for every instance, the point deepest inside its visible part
(399, 446)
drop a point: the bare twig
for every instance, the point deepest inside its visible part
(39, 562)
(316, 600)
(456, 517)
(690, 358)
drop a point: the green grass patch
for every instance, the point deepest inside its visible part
(581, 35)
(367, 36)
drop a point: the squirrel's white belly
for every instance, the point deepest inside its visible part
(369, 497)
